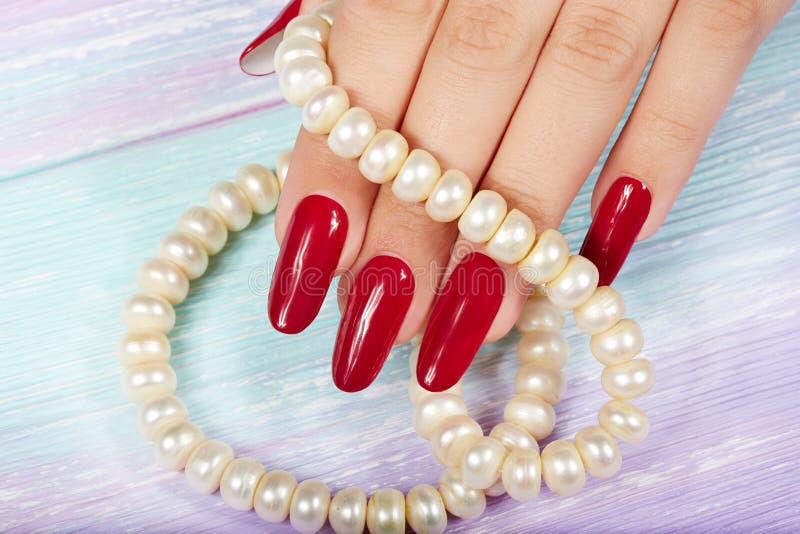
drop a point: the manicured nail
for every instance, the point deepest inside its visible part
(307, 262)
(375, 309)
(257, 58)
(617, 222)
(459, 321)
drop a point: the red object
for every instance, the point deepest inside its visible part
(460, 319)
(256, 59)
(307, 262)
(617, 222)
(376, 307)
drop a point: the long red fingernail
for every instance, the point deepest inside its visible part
(307, 262)
(257, 58)
(618, 221)
(378, 302)
(459, 321)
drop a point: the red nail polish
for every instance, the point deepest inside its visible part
(617, 222)
(307, 262)
(379, 299)
(459, 321)
(257, 58)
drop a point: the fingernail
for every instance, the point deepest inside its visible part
(459, 321)
(617, 222)
(307, 262)
(379, 299)
(257, 58)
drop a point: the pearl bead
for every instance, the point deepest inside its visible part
(386, 512)
(148, 312)
(495, 490)
(432, 409)
(628, 380)
(206, 464)
(205, 226)
(260, 186)
(348, 511)
(309, 506)
(458, 498)
(417, 392)
(324, 109)
(602, 311)
(352, 133)
(575, 284)
(483, 216)
(600, 453)
(513, 436)
(547, 258)
(311, 26)
(531, 413)
(619, 344)
(450, 197)
(425, 510)
(302, 77)
(452, 437)
(546, 383)
(539, 313)
(231, 205)
(417, 177)
(186, 252)
(522, 474)
(163, 278)
(273, 496)
(624, 421)
(239, 481)
(543, 347)
(326, 11)
(562, 468)
(295, 47)
(174, 442)
(282, 166)
(482, 462)
(143, 347)
(157, 410)
(383, 157)
(514, 239)
(148, 380)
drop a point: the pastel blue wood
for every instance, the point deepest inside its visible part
(119, 115)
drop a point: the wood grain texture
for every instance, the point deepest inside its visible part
(119, 115)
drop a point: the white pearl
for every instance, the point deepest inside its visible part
(148, 380)
(143, 347)
(282, 166)
(619, 344)
(628, 380)
(547, 258)
(231, 205)
(239, 481)
(600, 453)
(495, 490)
(311, 26)
(482, 462)
(513, 436)
(416, 392)
(352, 133)
(602, 311)
(302, 77)
(522, 474)
(185, 251)
(157, 410)
(624, 421)
(260, 186)
(174, 441)
(452, 437)
(562, 468)
(273, 496)
(326, 11)
(206, 464)
(514, 239)
(163, 278)
(325, 107)
(386, 512)
(432, 409)
(383, 156)
(148, 312)
(348, 511)
(542, 381)
(417, 177)
(575, 284)
(450, 197)
(531, 413)
(539, 313)
(425, 511)
(458, 498)
(544, 348)
(291, 48)
(205, 226)
(483, 216)
(309, 506)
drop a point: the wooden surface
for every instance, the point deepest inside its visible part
(118, 115)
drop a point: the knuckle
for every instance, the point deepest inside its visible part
(515, 185)
(669, 128)
(731, 22)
